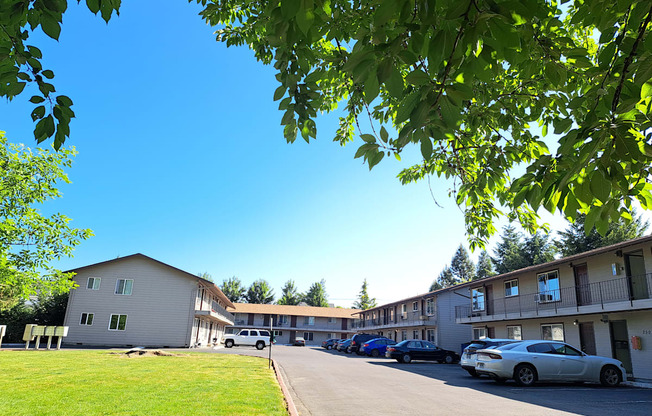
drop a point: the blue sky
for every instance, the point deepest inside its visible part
(182, 158)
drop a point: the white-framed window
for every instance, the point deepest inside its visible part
(552, 332)
(415, 306)
(430, 334)
(415, 334)
(403, 311)
(93, 283)
(479, 332)
(278, 333)
(549, 290)
(86, 319)
(283, 319)
(430, 306)
(124, 286)
(117, 322)
(329, 336)
(309, 320)
(514, 332)
(403, 335)
(308, 336)
(477, 298)
(332, 320)
(511, 288)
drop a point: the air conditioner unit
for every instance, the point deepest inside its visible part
(544, 297)
(423, 317)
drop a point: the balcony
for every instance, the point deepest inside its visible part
(300, 326)
(401, 321)
(217, 313)
(626, 293)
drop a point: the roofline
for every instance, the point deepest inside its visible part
(271, 305)
(210, 284)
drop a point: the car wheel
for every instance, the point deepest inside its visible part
(473, 373)
(260, 345)
(375, 353)
(329, 347)
(228, 343)
(449, 359)
(406, 358)
(525, 375)
(348, 350)
(609, 376)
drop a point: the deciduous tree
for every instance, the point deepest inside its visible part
(289, 294)
(233, 289)
(260, 292)
(316, 294)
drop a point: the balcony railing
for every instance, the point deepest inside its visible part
(598, 293)
(409, 319)
(215, 308)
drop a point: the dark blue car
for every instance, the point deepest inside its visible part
(377, 347)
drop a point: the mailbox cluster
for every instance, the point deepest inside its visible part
(37, 331)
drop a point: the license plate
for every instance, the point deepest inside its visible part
(480, 365)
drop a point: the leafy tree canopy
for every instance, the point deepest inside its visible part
(205, 276)
(260, 292)
(30, 241)
(468, 82)
(316, 295)
(364, 301)
(233, 289)
(289, 294)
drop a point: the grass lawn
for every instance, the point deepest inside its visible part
(100, 383)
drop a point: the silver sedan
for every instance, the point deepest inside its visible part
(530, 361)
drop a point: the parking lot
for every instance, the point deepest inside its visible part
(333, 383)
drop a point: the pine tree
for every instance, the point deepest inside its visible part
(364, 302)
(233, 289)
(289, 296)
(260, 292)
(316, 295)
(508, 253)
(445, 279)
(462, 266)
(538, 249)
(485, 266)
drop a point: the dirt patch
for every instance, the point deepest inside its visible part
(148, 353)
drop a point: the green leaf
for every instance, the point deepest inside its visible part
(36, 99)
(369, 138)
(289, 8)
(383, 134)
(280, 92)
(426, 148)
(48, 74)
(371, 88)
(375, 159)
(93, 5)
(305, 19)
(64, 101)
(395, 83)
(50, 26)
(417, 77)
(600, 186)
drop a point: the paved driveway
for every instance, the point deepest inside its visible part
(330, 383)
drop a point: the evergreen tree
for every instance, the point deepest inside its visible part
(538, 249)
(364, 302)
(260, 292)
(508, 254)
(445, 279)
(316, 295)
(233, 289)
(462, 266)
(289, 294)
(485, 266)
(575, 239)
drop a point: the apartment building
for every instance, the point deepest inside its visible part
(600, 301)
(314, 324)
(430, 316)
(139, 301)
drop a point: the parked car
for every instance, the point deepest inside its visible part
(414, 349)
(299, 342)
(469, 356)
(377, 347)
(344, 346)
(358, 339)
(530, 361)
(329, 343)
(254, 337)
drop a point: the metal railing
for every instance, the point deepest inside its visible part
(219, 310)
(628, 288)
(405, 320)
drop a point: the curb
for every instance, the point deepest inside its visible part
(292, 409)
(639, 384)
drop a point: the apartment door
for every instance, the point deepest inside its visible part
(293, 336)
(582, 288)
(489, 299)
(587, 338)
(620, 343)
(635, 269)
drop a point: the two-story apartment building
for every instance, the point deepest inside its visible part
(430, 316)
(314, 324)
(138, 301)
(600, 300)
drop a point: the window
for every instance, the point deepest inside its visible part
(308, 320)
(415, 334)
(552, 332)
(124, 286)
(308, 336)
(431, 335)
(415, 306)
(430, 306)
(564, 349)
(253, 333)
(118, 322)
(414, 344)
(278, 333)
(403, 335)
(479, 333)
(514, 332)
(330, 336)
(264, 333)
(543, 348)
(477, 298)
(403, 311)
(86, 319)
(511, 288)
(332, 320)
(245, 333)
(93, 283)
(283, 319)
(549, 287)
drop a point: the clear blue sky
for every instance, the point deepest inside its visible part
(182, 158)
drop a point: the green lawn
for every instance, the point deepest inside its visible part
(100, 383)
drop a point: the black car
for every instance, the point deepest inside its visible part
(358, 340)
(414, 349)
(343, 346)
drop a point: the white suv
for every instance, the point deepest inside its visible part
(252, 337)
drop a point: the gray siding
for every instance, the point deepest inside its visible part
(450, 335)
(159, 310)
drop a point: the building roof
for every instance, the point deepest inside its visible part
(295, 310)
(212, 286)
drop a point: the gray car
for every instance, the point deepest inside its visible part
(530, 361)
(469, 356)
